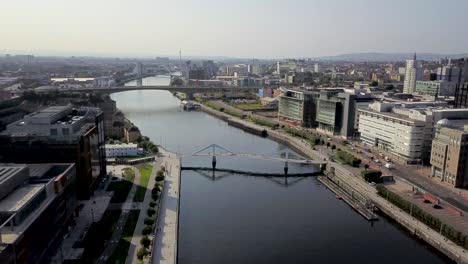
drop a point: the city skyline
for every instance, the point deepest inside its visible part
(264, 29)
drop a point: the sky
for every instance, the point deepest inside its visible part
(234, 28)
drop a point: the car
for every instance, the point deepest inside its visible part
(373, 184)
(389, 165)
(377, 161)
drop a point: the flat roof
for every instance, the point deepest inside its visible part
(50, 111)
(6, 171)
(18, 198)
(116, 146)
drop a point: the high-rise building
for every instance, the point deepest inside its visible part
(298, 108)
(449, 156)
(210, 68)
(278, 68)
(37, 202)
(413, 73)
(461, 95)
(60, 134)
(138, 70)
(316, 68)
(337, 112)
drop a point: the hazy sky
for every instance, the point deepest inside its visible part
(237, 28)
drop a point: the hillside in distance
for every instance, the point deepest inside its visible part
(376, 56)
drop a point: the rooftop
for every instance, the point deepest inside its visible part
(8, 171)
(118, 146)
(15, 200)
(49, 112)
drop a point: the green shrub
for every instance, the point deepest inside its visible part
(152, 204)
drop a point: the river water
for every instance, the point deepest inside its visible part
(245, 219)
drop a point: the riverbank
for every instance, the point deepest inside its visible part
(436, 240)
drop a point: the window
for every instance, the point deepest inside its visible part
(65, 131)
(53, 131)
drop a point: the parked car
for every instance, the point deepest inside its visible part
(389, 165)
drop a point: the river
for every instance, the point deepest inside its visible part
(247, 219)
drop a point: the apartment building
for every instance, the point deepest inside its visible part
(449, 156)
(37, 203)
(60, 134)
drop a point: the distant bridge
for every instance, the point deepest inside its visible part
(189, 90)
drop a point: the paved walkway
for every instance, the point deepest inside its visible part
(135, 243)
(165, 244)
(112, 243)
(92, 211)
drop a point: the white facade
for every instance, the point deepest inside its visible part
(121, 150)
(413, 73)
(316, 68)
(405, 131)
(396, 134)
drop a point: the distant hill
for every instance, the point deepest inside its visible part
(390, 56)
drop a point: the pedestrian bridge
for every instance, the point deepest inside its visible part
(285, 156)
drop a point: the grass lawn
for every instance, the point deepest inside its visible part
(121, 251)
(252, 107)
(98, 233)
(121, 188)
(145, 173)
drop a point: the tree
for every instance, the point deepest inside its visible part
(328, 144)
(145, 242)
(389, 87)
(160, 176)
(333, 147)
(147, 230)
(317, 141)
(142, 253)
(149, 221)
(371, 175)
(366, 166)
(150, 211)
(374, 84)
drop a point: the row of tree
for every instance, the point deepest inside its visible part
(151, 216)
(433, 222)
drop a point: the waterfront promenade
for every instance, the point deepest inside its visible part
(165, 243)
